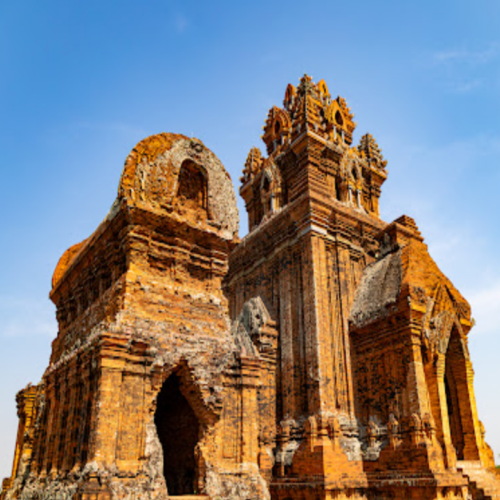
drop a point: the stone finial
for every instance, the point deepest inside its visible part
(306, 86)
(290, 94)
(253, 165)
(310, 107)
(369, 148)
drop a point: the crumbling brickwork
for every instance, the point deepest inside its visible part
(322, 357)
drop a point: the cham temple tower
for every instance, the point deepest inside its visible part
(323, 357)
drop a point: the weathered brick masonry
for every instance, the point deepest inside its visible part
(322, 357)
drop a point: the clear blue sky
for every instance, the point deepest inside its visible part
(82, 82)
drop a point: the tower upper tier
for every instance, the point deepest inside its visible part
(309, 147)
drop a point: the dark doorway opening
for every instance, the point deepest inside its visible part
(453, 364)
(178, 431)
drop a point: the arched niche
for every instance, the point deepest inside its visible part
(267, 196)
(192, 187)
(270, 190)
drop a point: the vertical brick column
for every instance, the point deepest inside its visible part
(108, 410)
(440, 407)
(83, 413)
(312, 366)
(343, 275)
(250, 370)
(51, 409)
(287, 339)
(418, 401)
(73, 416)
(468, 412)
(61, 426)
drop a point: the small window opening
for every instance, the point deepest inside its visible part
(338, 118)
(192, 186)
(266, 185)
(337, 192)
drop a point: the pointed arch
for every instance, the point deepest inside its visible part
(270, 188)
(460, 402)
(323, 88)
(178, 430)
(182, 419)
(449, 379)
(266, 192)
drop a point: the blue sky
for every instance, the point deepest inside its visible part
(82, 82)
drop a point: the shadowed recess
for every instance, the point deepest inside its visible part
(177, 428)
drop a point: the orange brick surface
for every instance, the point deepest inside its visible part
(324, 356)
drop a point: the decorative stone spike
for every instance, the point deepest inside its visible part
(253, 165)
(370, 149)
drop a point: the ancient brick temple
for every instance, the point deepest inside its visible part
(322, 357)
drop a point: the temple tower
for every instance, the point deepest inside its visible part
(133, 402)
(323, 357)
(362, 389)
(315, 198)
(313, 216)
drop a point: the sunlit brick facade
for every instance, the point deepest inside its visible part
(322, 357)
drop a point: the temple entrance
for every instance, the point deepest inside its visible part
(178, 431)
(458, 400)
(456, 432)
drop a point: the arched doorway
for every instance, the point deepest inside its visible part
(178, 431)
(459, 399)
(452, 402)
